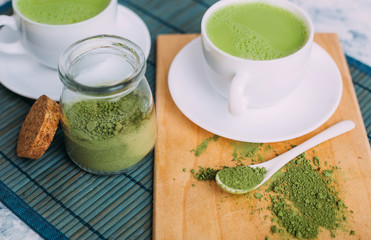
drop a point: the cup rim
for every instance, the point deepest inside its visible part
(16, 10)
(277, 3)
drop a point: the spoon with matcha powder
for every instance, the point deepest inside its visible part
(243, 179)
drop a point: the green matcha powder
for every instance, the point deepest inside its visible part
(242, 177)
(106, 136)
(302, 198)
(304, 201)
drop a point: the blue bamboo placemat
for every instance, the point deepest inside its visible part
(57, 199)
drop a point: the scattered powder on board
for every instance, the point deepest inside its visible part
(205, 174)
(201, 148)
(303, 201)
(244, 150)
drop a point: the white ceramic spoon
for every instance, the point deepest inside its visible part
(277, 163)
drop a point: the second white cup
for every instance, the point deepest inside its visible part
(254, 83)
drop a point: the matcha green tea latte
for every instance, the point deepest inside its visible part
(60, 12)
(107, 109)
(256, 31)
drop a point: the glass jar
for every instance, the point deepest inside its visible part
(107, 110)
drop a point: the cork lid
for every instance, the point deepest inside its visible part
(38, 129)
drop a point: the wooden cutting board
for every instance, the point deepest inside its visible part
(187, 209)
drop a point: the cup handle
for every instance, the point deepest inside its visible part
(13, 47)
(237, 101)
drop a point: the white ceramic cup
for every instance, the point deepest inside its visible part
(254, 83)
(46, 42)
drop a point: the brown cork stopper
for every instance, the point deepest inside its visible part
(38, 129)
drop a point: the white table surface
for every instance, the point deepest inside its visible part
(350, 19)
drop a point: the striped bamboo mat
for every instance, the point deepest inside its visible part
(58, 200)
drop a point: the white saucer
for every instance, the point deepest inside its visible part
(22, 75)
(311, 105)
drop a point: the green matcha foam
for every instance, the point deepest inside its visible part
(62, 11)
(256, 31)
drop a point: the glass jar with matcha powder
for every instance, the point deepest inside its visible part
(108, 115)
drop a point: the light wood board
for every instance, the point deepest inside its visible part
(187, 209)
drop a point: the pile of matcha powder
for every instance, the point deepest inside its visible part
(303, 201)
(100, 119)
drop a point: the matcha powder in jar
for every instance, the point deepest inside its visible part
(108, 115)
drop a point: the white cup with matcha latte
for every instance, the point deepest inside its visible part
(47, 27)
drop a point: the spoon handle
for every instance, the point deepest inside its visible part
(331, 132)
